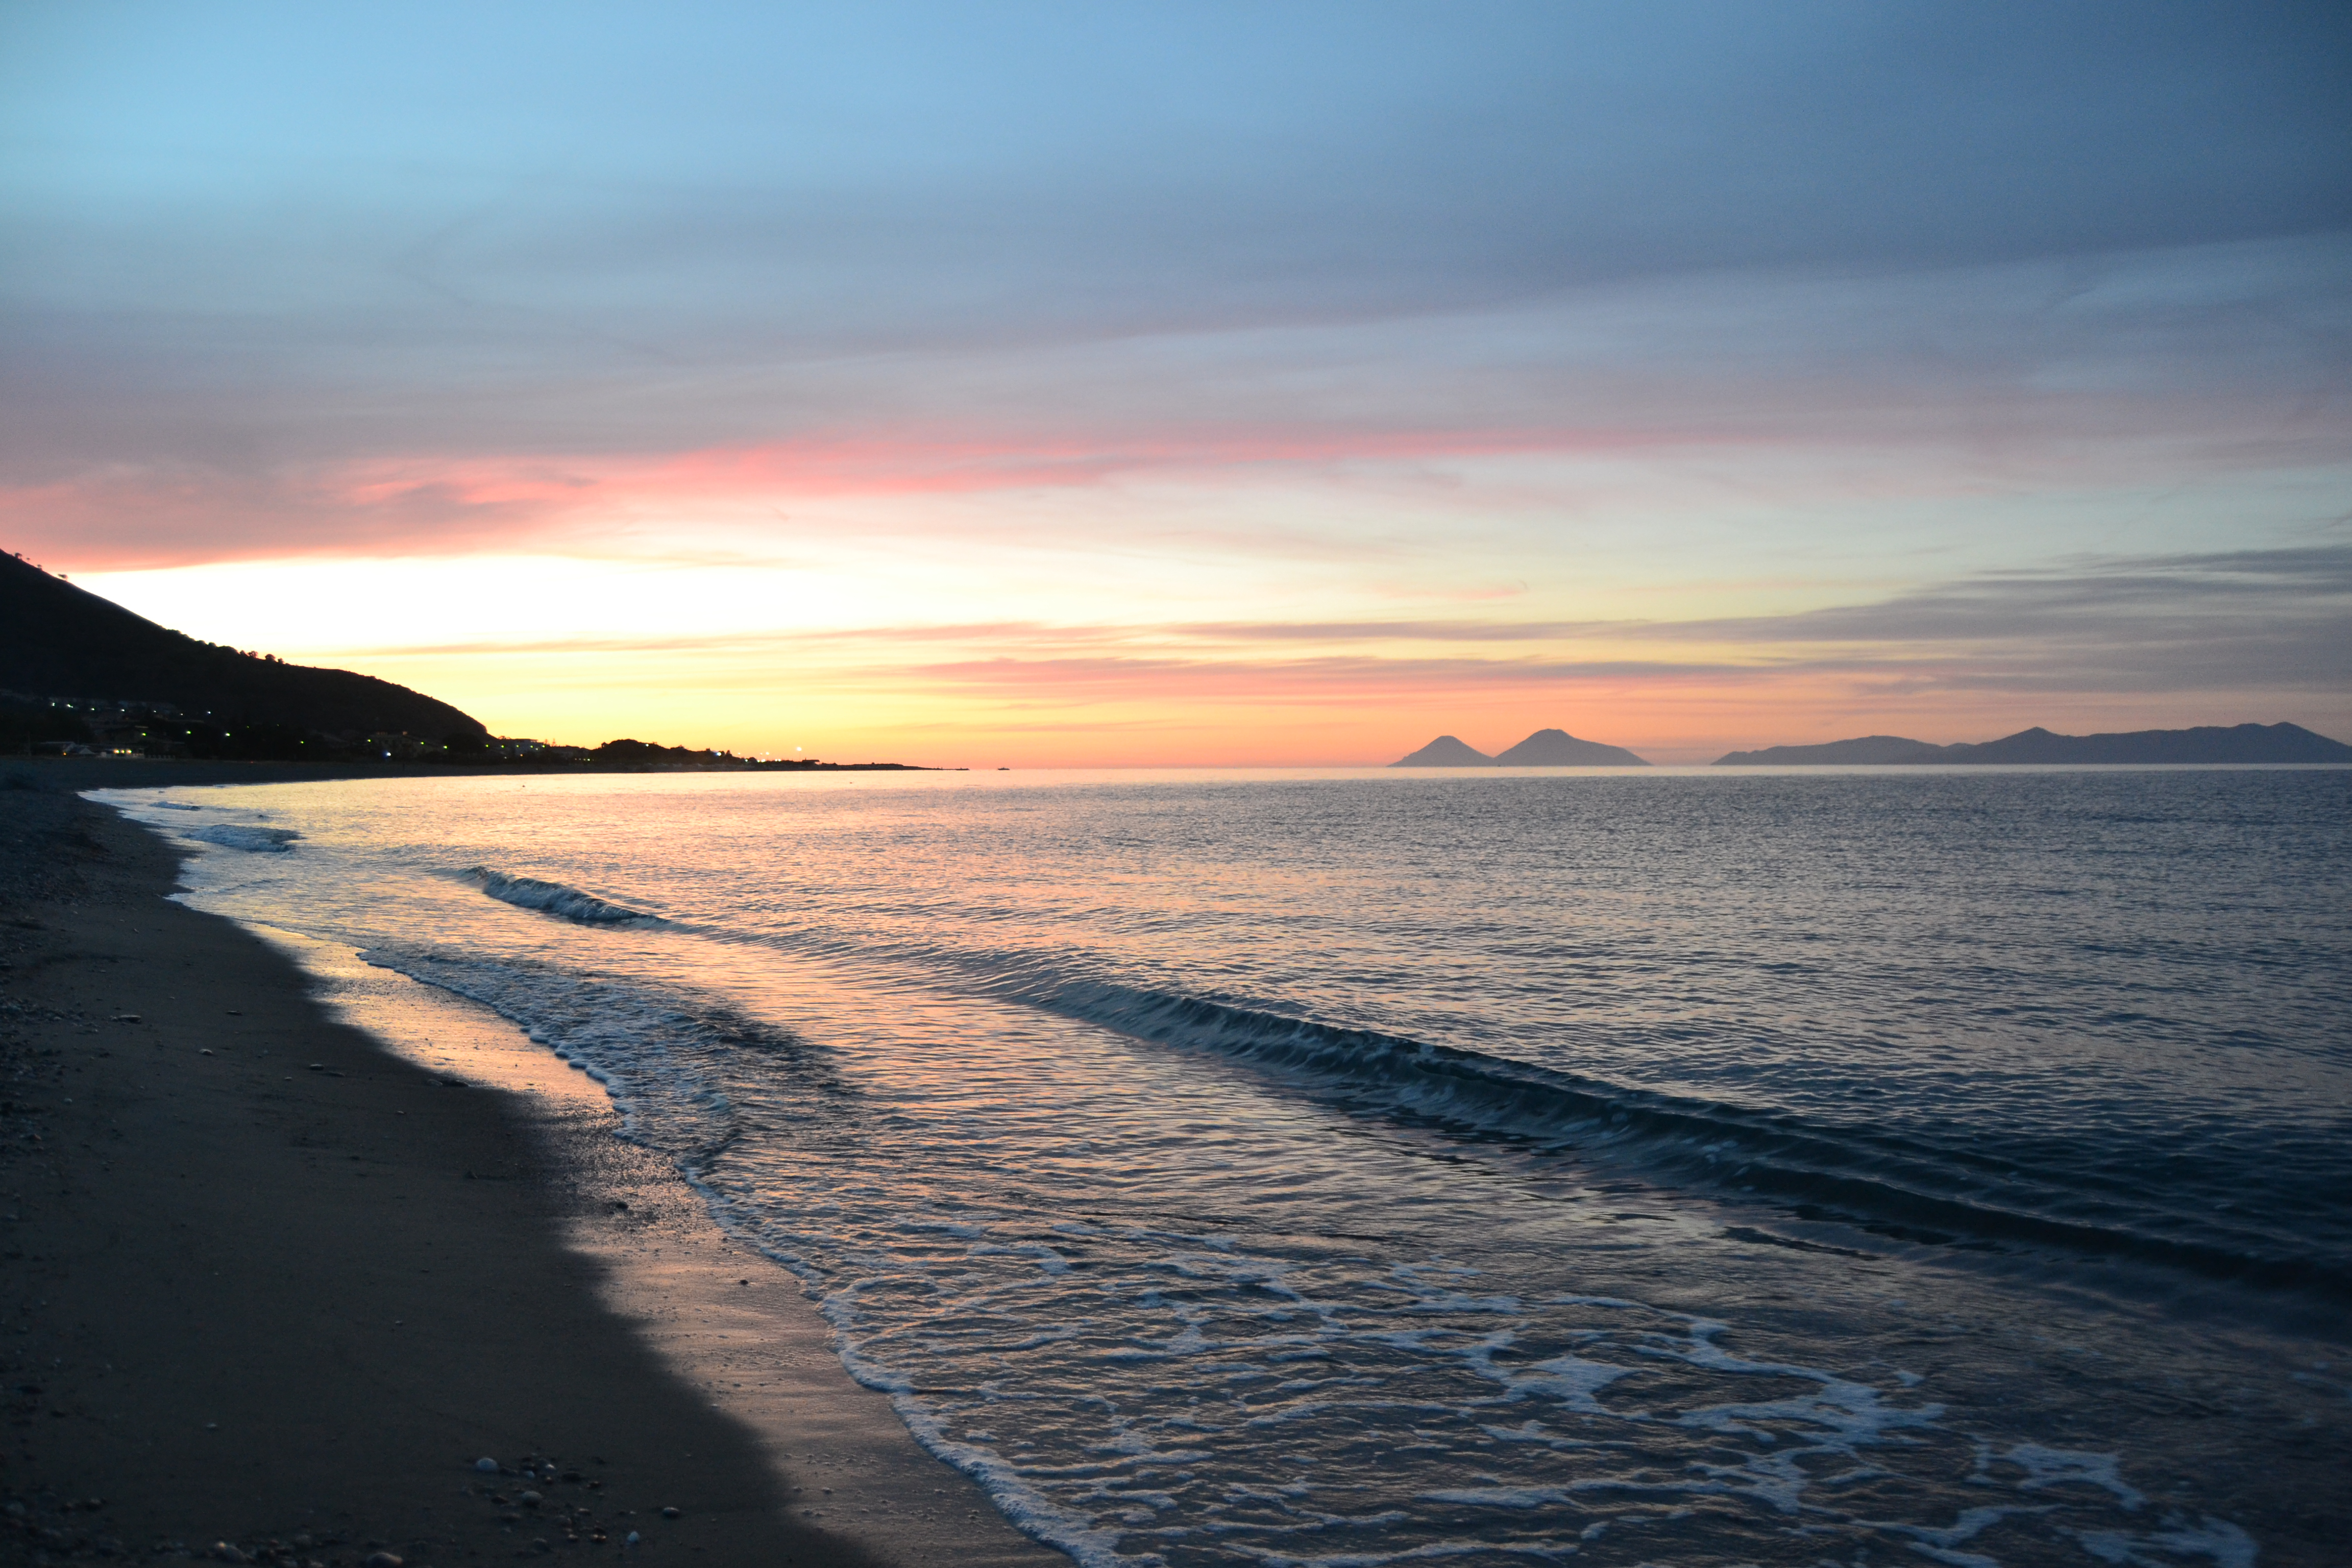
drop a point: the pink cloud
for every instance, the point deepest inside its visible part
(125, 517)
(133, 515)
(130, 516)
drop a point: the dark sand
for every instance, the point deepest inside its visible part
(267, 1284)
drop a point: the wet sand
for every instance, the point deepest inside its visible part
(272, 1283)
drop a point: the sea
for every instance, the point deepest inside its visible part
(1353, 1168)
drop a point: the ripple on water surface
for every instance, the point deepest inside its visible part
(1349, 1170)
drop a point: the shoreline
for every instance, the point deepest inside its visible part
(723, 1318)
(73, 775)
(274, 1283)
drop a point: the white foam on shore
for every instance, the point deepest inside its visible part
(996, 1320)
(922, 1298)
(239, 836)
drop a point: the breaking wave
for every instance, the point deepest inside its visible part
(235, 836)
(551, 898)
(1902, 1187)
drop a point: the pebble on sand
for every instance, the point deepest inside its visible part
(382, 1560)
(487, 1464)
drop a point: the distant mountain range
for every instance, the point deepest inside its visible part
(1544, 749)
(2207, 743)
(58, 641)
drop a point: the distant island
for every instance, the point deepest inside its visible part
(81, 676)
(1544, 749)
(2207, 743)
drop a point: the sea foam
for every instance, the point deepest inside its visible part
(254, 840)
(551, 898)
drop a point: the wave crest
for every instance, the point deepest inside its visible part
(551, 898)
(253, 840)
(1894, 1186)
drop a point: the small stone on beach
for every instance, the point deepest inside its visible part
(488, 1465)
(670, 1514)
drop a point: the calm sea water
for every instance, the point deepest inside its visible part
(1828, 1167)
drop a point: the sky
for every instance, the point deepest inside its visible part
(1284, 384)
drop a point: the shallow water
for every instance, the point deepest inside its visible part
(1236, 1168)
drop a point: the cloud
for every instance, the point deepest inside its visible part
(1127, 163)
(2242, 621)
(1315, 681)
(1589, 341)
(1062, 246)
(1794, 390)
(2250, 597)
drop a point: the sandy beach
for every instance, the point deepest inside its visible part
(275, 1286)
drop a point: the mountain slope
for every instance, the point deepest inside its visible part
(1869, 750)
(57, 640)
(2206, 743)
(1559, 748)
(1446, 752)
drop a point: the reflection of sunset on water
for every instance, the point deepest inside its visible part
(1499, 1153)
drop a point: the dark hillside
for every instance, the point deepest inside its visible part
(2207, 743)
(57, 640)
(2210, 745)
(1559, 748)
(1446, 752)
